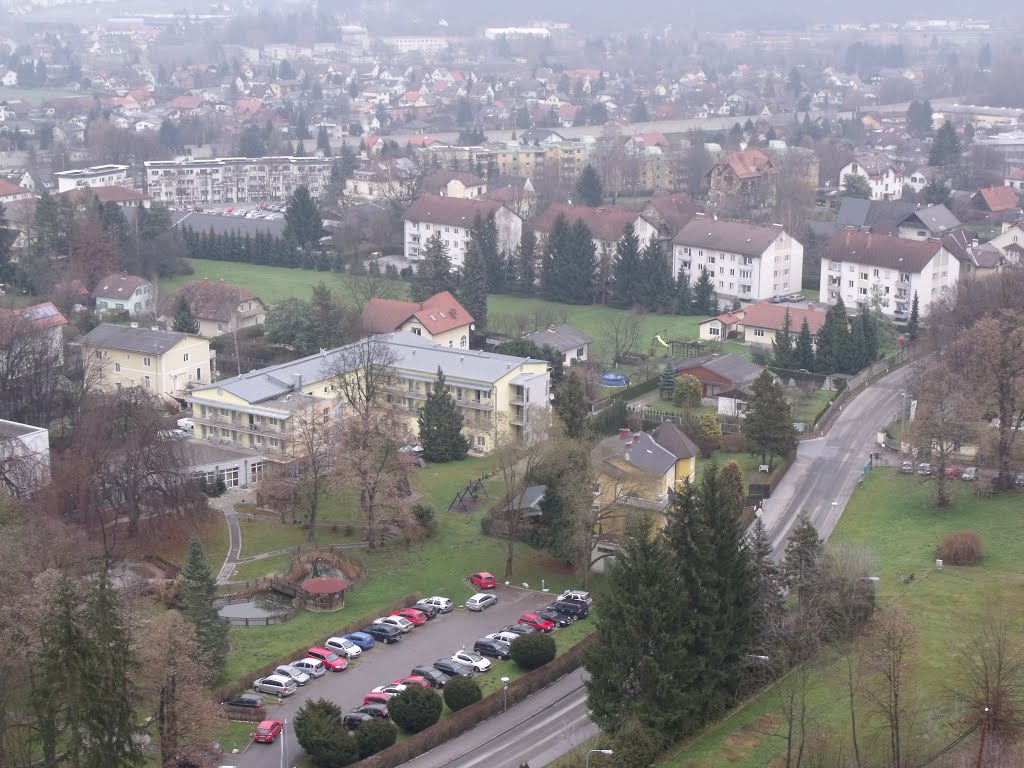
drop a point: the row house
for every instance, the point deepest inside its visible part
(452, 219)
(235, 179)
(856, 266)
(746, 262)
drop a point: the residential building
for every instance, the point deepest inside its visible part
(455, 184)
(453, 218)
(996, 201)
(123, 197)
(571, 343)
(10, 192)
(605, 225)
(31, 333)
(760, 323)
(719, 373)
(860, 265)
(670, 213)
(383, 179)
(883, 177)
(1015, 180)
(742, 181)
(257, 410)
(162, 362)
(121, 292)
(977, 259)
(218, 306)
(94, 176)
(440, 319)
(24, 458)
(749, 262)
(235, 179)
(1010, 243)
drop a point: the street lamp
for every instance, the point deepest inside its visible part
(283, 739)
(504, 692)
(586, 763)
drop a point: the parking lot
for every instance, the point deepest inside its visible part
(438, 638)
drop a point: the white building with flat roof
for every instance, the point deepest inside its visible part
(235, 179)
(94, 176)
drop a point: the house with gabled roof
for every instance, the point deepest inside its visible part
(742, 181)
(995, 201)
(218, 306)
(452, 218)
(440, 319)
(605, 225)
(121, 292)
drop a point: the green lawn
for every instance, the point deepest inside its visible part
(896, 517)
(807, 405)
(233, 734)
(257, 569)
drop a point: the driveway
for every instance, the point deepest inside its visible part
(436, 639)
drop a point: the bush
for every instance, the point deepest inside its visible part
(486, 525)
(374, 735)
(637, 746)
(319, 731)
(425, 516)
(533, 650)
(460, 692)
(415, 709)
(962, 548)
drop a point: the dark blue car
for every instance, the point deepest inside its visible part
(361, 639)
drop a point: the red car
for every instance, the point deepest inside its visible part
(953, 472)
(268, 731)
(378, 698)
(535, 621)
(416, 617)
(331, 660)
(414, 680)
(483, 580)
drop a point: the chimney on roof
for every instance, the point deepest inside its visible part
(298, 381)
(452, 311)
(625, 433)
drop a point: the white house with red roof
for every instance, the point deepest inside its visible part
(10, 192)
(452, 218)
(440, 319)
(759, 323)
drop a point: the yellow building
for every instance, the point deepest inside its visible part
(636, 473)
(260, 410)
(163, 362)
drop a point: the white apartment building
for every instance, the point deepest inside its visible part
(749, 262)
(235, 179)
(884, 178)
(453, 218)
(94, 176)
(855, 265)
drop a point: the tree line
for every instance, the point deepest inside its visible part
(842, 345)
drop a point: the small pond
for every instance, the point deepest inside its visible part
(319, 568)
(261, 606)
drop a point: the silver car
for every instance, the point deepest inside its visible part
(969, 474)
(279, 685)
(296, 674)
(312, 667)
(343, 647)
(480, 601)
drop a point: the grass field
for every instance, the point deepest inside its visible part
(896, 517)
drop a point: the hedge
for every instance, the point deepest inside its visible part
(243, 683)
(459, 722)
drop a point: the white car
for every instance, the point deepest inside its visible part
(474, 661)
(343, 647)
(443, 604)
(296, 674)
(312, 667)
(404, 625)
(480, 600)
(279, 685)
(576, 596)
(504, 637)
(391, 690)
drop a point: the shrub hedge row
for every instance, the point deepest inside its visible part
(241, 684)
(459, 722)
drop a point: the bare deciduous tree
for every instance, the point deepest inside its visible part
(891, 652)
(991, 663)
(621, 333)
(314, 445)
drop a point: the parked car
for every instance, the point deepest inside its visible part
(573, 609)
(453, 668)
(312, 667)
(1019, 480)
(557, 618)
(245, 700)
(344, 647)
(907, 468)
(352, 720)
(970, 474)
(364, 640)
(402, 625)
(279, 685)
(502, 637)
(482, 580)
(474, 661)
(924, 468)
(952, 473)
(436, 677)
(443, 604)
(385, 633)
(576, 596)
(777, 299)
(535, 621)
(296, 674)
(268, 731)
(496, 649)
(374, 710)
(378, 698)
(426, 608)
(331, 660)
(414, 681)
(418, 618)
(519, 629)
(479, 601)
(394, 689)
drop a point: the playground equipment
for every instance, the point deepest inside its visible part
(472, 490)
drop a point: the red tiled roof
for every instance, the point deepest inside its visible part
(1017, 175)
(38, 317)
(217, 300)
(998, 199)
(7, 189)
(186, 102)
(440, 313)
(436, 209)
(748, 164)
(652, 139)
(766, 315)
(886, 251)
(605, 224)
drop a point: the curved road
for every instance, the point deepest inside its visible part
(820, 482)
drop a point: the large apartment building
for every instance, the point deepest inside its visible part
(235, 179)
(94, 176)
(260, 410)
(453, 218)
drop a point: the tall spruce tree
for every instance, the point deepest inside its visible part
(526, 257)
(657, 289)
(768, 422)
(583, 264)
(626, 272)
(652, 688)
(783, 351)
(945, 149)
(440, 425)
(571, 406)
(800, 562)
(485, 234)
(767, 580)
(667, 382)
(870, 320)
(914, 321)
(473, 286)
(434, 272)
(589, 191)
(198, 593)
(833, 340)
(567, 274)
(705, 298)
(684, 295)
(803, 352)
(184, 320)
(303, 224)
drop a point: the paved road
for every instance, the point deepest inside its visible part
(436, 639)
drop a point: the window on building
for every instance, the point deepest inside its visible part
(851, 283)
(464, 342)
(146, 361)
(185, 357)
(117, 367)
(711, 259)
(863, 291)
(481, 441)
(146, 382)
(863, 275)
(417, 331)
(759, 332)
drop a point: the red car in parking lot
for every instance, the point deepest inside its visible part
(416, 617)
(268, 731)
(535, 621)
(331, 660)
(414, 680)
(483, 580)
(378, 698)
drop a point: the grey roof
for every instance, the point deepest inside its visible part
(937, 219)
(721, 234)
(670, 437)
(880, 216)
(528, 499)
(640, 450)
(560, 337)
(17, 429)
(736, 369)
(410, 353)
(142, 340)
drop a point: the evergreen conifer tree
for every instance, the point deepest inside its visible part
(526, 271)
(485, 234)
(769, 422)
(626, 273)
(198, 592)
(657, 289)
(667, 382)
(803, 352)
(705, 298)
(856, 348)
(733, 488)
(914, 321)
(184, 320)
(800, 562)
(783, 350)
(589, 191)
(687, 392)
(434, 272)
(945, 149)
(833, 340)
(684, 295)
(569, 263)
(440, 425)
(303, 224)
(583, 264)
(571, 406)
(767, 579)
(870, 319)
(473, 286)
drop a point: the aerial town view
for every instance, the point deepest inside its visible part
(459, 384)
